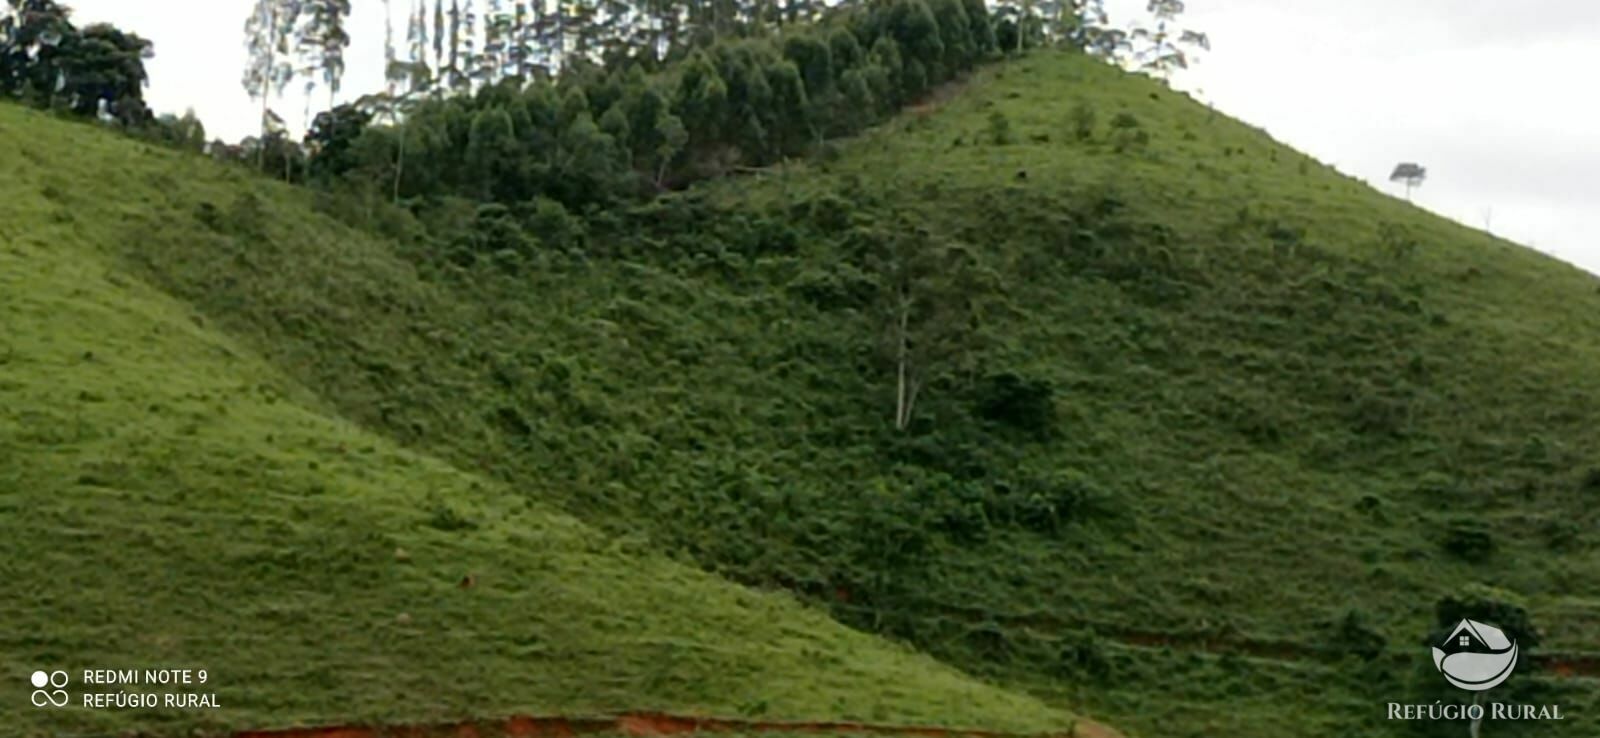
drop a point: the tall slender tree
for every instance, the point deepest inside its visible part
(1160, 48)
(452, 69)
(390, 54)
(439, 41)
(553, 35)
(931, 299)
(468, 40)
(521, 51)
(494, 63)
(270, 69)
(321, 39)
(418, 41)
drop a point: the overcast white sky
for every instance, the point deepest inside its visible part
(1496, 98)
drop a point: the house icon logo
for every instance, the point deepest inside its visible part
(1476, 656)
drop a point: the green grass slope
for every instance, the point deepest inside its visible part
(1281, 401)
(168, 500)
(1295, 391)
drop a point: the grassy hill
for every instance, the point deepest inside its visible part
(171, 500)
(1270, 414)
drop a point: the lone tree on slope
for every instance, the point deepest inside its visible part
(1410, 173)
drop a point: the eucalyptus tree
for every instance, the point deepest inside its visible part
(439, 32)
(267, 32)
(450, 70)
(931, 298)
(391, 54)
(1091, 30)
(465, 35)
(321, 40)
(523, 55)
(405, 82)
(498, 31)
(1166, 47)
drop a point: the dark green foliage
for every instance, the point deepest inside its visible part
(1285, 237)
(1047, 502)
(1591, 481)
(186, 133)
(597, 135)
(277, 156)
(1084, 121)
(886, 65)
(1127, 133)
(793, 119)
(495, 230)
(1354, 635)
(999, 129)
(955, 33)
(47, 61)
(1017, 402)
(332, 138)
(1396, 240)
(246, 217)
(552, 224)
(1563, 536)
(915, 31)
(1488, 605)
(813, 58)
(1084, 654)
(445, 518)
(840, 287)
(981, 24)
(1469, 541)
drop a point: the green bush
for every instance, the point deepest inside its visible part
(835, 287)
(1013, 401)
(1127, 133)
(446, 518)
(1489, 605)
(1353, 635)
(495, 231)
(1469, 541)
(550, 222)
(1048, 502)
(955, 508)
(1591, 480)
(999, 130)
(1396, 240)
(1083, 654)
(830, 212)
(1084, 122)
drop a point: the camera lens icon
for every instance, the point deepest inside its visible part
(48, 690)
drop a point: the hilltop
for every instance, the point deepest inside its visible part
(1225, 429)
